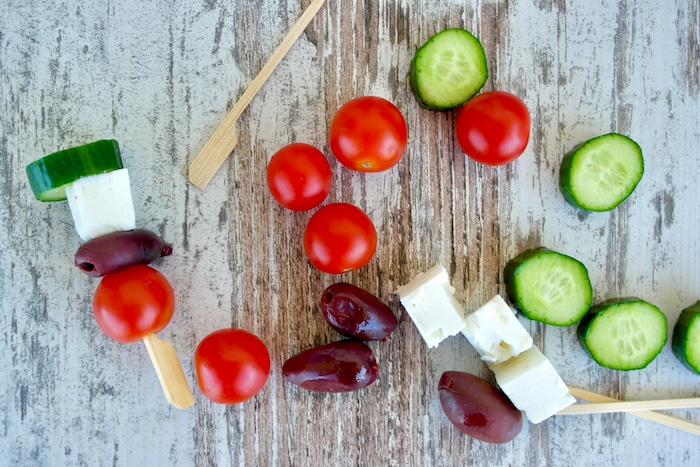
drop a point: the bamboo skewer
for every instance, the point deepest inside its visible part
(631, 406)
(224, 139)
(601, 404)
(170, 374)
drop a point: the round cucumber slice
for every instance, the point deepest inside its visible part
(624, 334)
(686, 338)
(50, 175)
(548, 286)
(602, 172)
(448, 69)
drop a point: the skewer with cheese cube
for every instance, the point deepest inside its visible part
(523, 373)
(93, 179)
(533, 385)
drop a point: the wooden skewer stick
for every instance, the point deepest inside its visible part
(224, 139)
(170, 374)
(599, 400)
(631, 406)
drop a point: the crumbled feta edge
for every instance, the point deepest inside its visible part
(495, 332)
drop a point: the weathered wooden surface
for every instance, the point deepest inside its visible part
(159, 77)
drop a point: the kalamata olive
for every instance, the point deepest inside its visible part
(354, 312)
(119, 250)
(478, 408)
(337, 367)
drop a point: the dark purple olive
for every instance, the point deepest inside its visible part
(119, 250)
(356, 313)
(337, 367)
(478, 408)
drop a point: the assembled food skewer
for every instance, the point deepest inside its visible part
(224, 139)
(132, 301)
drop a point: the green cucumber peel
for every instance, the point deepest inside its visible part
(685, 342)
(51, 175)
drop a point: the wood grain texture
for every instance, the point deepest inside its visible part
(160, 76)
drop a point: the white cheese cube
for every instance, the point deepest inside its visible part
(495, 332)
(101, 204)
(429, 301)
(541, 411)
(533, 385)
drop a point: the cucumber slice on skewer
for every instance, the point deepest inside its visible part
(50, 175)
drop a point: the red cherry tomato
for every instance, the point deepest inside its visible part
(494, 128)
(232, 365)
(339, 237)
(131, 303)
(299, 176)
(368, 134)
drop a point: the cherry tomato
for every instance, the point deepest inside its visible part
(339, 237)
(232, 365)
(494, 128)
(368, 134)
(131, 303)
(299, 176)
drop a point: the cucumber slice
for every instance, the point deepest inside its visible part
(50, 175)
(448, 69)
(602, 172)
(624, 334)
(548, 286)
(686, 338)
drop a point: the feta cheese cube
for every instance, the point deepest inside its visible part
(101, 204)
(538, 412)
(495, 332)
(429, 301)
(533, 385)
